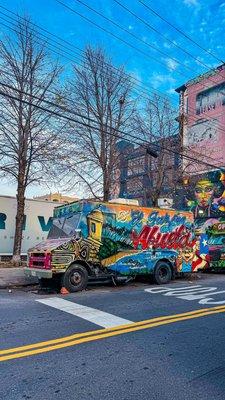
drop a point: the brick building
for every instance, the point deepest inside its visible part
(137, 173)
(202, 120)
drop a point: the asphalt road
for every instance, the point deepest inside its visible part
(176, 352)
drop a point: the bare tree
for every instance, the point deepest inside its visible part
(158, 126)
(29, 136)
(102, 97)
(176, 160)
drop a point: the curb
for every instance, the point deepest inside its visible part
(16, 285)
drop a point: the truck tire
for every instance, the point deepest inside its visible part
(75, 278)
(162, 273)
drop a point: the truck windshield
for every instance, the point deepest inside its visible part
(64, 226)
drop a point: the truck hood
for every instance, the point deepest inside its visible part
(49, 244)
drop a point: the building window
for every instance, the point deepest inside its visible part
(93, 227)
(210, 98)
(136, 166)
(187, 105)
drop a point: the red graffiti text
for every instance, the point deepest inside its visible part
(151, 236)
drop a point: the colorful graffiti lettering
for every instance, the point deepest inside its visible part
(151, 236)
(166, 222)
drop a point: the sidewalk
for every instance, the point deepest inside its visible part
(14, 277)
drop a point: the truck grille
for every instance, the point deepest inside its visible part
(61, 259)
(40, 260)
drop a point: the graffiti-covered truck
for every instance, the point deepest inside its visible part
(94, 239)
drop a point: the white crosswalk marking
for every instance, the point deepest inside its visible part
(93, 315)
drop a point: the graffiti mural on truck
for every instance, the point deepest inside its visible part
(125, 238)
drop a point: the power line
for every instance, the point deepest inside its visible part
(132, 78)
(161, 34)
(136, 37)
(56, 113)
(115, 36)
(69, 111)
(180, 31)
(194, 118)
(114, 68)
(72, 45)
(96, 128)
(132, 34)
(99, 27)
(83, 65)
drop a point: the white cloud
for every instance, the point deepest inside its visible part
(190, 3)
(136, 74)
(158, 79)
(199, 60)
(172, 64)
(171, 91)
(166, 45)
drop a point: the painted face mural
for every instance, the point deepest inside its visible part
(221, 200)
(208, 196)
(184, 259)
(208, 206)
(204, 191)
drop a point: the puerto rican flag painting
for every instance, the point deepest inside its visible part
(200, 260)
(204, 248)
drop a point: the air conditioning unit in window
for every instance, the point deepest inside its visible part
(165, 202)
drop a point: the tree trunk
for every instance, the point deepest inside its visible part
(105, 186)
(154, 202)
(16, 260)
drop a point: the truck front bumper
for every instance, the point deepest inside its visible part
(39, 273)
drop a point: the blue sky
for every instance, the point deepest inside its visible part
(204, 21)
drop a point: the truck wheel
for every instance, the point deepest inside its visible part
(162, 273)
(75, 278)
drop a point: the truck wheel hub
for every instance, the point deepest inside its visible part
(162, 272)
(76, 278)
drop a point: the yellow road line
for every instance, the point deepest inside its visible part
(90, 333)
(103, 333)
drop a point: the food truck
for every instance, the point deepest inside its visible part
(91, 239)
